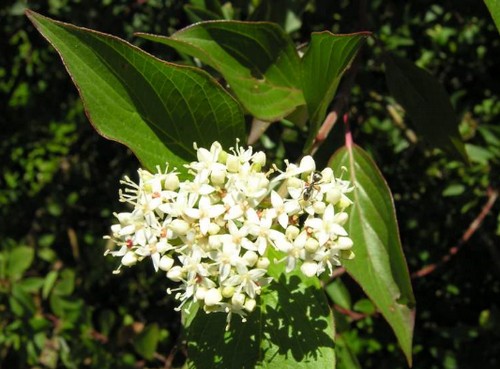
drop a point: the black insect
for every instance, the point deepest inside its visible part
(312, 185)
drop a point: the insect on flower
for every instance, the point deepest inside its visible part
(312, 185)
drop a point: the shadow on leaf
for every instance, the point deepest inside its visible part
(292, 326)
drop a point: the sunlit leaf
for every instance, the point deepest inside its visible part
(494, 8)
(257, 59)
(379, 266)
(156, 108)
(326, 59)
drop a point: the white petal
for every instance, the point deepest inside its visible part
(234, 212)
(283, 220)
(307, 164)
(338, 230)
(192, 213)
(314, 223)
(276, 200)
(156, 260)
(309, 268)
(204, 225)
(216, 210)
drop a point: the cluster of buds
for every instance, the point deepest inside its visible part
(212, 233)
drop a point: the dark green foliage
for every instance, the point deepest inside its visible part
(60, 306)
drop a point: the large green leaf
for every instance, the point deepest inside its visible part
(292, 329)
(323, 65)
(156, 108)
(379, 266)
(426, 103)
(257, 59)
(494, 8)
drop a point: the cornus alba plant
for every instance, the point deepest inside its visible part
(235, 234)
(211, 233)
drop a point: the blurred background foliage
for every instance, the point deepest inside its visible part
(60, 305)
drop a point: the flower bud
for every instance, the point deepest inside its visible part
(129, 259)
(250, 305)
(307, 164)
(228, 291)
(347, 254)
(213, 297)
(294, 182)
(327, 174)
(341, 218)
(263, 263)
(344, 243)
(311, 245)
(238, 300)
(292, 232)
(213, 229)
(319, 207)
(251, 258)
(218, 176)
(179, 226)
(232, 163)
(259, 158)
(344, 202)
(222, 158)
(309, 268)
(333, 196)
(175, 274)
(200, 294)
(166, 263)
(171, 182)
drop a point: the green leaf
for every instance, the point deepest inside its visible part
(339, 293)
(20, 259)
(426, 103)
(49, 282)
(258, 61)
(198, 14)
(494, 8)
(454, 189)
(24, 299)
(346, 357)
(31, 285)
(379, 266)
(478, 154)
(145, 343)
(106, 319)
(213, 6)
(156, 108)
(323, 65)
(66, 283)
(293, 328)
(284, 12)
(364, 306)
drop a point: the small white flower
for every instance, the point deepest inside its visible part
(205, 211)
(327, 227)
(211, 233)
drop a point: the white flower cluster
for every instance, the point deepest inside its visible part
(212, 233)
